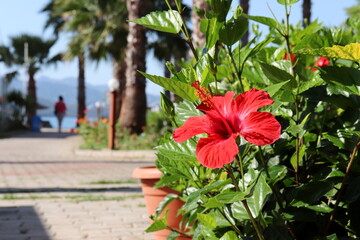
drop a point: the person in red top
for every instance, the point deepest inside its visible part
(60, 110)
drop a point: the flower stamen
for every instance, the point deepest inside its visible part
(205, 97)
(203, 94)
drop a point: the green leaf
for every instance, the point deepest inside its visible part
(231, 197)
(184, 151)
(344, 78)
(264, 20)
(258, 47)
(255, 202)
(297, 130)
(185, 110)
(301, 155)
(233, 31)
(277, 172)
(311, 192)
(207, 220)
(165, 21)
(341, 138)
(287, 2)
(348, 52)
(194, 197)
(162, 205)
(274, 88)
(230, 235)
(167, 106)
(321, 208)
(211, 28)
(179, 88)
(332, 237)
(277, 75)
(203, 69)
(157, 225)
(213, 203)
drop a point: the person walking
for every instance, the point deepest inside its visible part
(60, 110)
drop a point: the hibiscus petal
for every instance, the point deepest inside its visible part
(213, 152)
(222, 103)
(251, 101)
(192, 127)
(260, 128)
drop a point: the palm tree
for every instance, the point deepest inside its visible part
(306, 10)
(60, 13)
(133, 111)
(106, 39)
(99, 27)
(354, 11)
(38, 51)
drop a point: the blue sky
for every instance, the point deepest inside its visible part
(23, 16)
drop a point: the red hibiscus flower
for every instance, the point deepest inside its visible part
(224, 120)
(321, 62)
(292, 57)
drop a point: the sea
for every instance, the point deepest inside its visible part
(68, 121)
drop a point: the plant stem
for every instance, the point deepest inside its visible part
(254, 223)
(238, 74)
(244, 202)
(239, 162)
(348, 168)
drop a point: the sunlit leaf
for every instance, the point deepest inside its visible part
(233, 31)
(166, 21)
(348, 52)
(179, 88)
(207, 220)
(255, 202)
(264, 20)
(346, 79)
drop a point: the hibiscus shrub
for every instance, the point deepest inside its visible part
(264, 146)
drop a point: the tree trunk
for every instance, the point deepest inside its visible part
(167, 74)
(119, 74)
(133, 110)
(81, 88)
(31, 97)
(306, 9)
(245, 6)
(198, 11)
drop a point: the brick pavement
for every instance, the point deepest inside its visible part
(51, 191)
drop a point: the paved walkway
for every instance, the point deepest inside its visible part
(51, 191)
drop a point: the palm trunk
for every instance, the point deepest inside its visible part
(119, 74)
(245, 6)
(167, 74)
(31, 97)
(306, 10)
(197, 36)
(133, 110)
(81, 88)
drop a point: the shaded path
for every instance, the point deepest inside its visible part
(49, 193)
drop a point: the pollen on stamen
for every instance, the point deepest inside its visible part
(202, 93)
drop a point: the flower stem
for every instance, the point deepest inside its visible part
(352, 157)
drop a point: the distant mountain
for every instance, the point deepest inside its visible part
(48, 91)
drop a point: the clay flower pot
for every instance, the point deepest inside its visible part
(153, 196)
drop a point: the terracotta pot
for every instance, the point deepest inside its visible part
(153, 196)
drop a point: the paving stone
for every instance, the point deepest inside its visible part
(44, 166)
